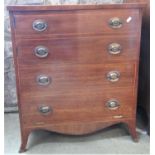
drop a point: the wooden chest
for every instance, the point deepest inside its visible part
(76, 66)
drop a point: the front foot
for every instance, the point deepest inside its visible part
(22, 149)
(135, 139)
(132, 130)
(24, 139)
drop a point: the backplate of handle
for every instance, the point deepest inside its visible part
(115, 23)
(114, 48)
(113, 76)
(39, 25)
(113, 104)
(45, 110)
(41, 51)
(43, 80)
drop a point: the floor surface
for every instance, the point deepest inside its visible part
(112, 140)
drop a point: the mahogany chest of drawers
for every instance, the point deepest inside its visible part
(76, 66)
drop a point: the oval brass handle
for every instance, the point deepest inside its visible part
(41, 51)
(113, 76)
(45, 110)
(115, 23)
(39, 25)
(113, 104)
(43, 80)
(114, 48)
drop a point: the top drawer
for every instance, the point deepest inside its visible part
(109, 21)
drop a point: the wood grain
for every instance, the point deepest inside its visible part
(72, 22)
(127, 4)
(66, 107)
(74, 79)
(78, 50)
(77, 38)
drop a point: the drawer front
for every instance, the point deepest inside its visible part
(108, 101)
(77, 22)
(74, 79)
(78, 50)
(78, 108)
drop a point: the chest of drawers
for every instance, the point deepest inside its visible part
(76, 66)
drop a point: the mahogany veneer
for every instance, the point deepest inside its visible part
(76, 66)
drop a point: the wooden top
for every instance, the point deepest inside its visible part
(127, 4)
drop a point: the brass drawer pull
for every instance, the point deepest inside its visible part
(41, 51)
(114, 48)
(118, 116)
(113, 76)
(113, 104)
(115, 23)
(39, 25)
(43, 80)
(45, 110)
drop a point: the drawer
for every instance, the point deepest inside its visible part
(83, 108)
(76, 22)
(108, 101)
(78, 50)
(69, 79)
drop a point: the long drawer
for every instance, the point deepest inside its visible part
(85, 108)
(74, 22)
(69, 79)
(95, 101)
(78, 50)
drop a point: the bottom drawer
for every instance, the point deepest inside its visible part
(108, 105)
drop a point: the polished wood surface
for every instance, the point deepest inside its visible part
(73, 22)
(79, 50)
(94, 104)
(125, 5)
(74, 76)
(78, 62)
